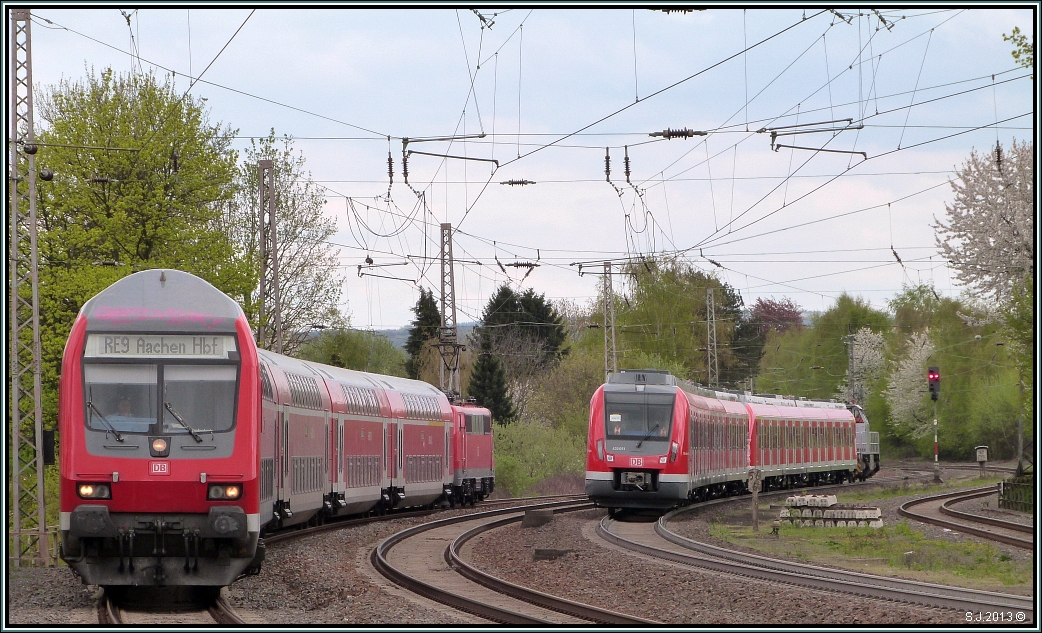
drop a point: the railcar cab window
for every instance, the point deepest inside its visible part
(634, 416)
(174, 385)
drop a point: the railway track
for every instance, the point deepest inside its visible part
(942, 503)
(149, 609)
(434, 548)
(660, 542)
(112, 611)
(339, 524)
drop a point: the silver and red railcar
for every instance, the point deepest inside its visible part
(182, 442)
(656, 441)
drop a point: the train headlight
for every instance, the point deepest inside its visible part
(94, 491)
(224, 492)
(159, 446)
(674, 449)
(600, 449)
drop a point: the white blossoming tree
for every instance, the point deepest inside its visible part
(988, 234)
(866, 363)
(906, 388)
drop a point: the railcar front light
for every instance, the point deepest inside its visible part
(224, 492)
(94, 491)
(159, 445)
(600, 449)
(675, 448)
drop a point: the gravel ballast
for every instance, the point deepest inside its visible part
(611, 578)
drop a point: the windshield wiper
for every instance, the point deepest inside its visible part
(90, 405)
(648, 435)
(177, 417)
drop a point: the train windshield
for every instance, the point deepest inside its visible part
(166, 398)
(121, 397)
(632, 416)
(203, 396)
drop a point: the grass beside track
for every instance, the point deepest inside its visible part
(893, 550)
(913, 487)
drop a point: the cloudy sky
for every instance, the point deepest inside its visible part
(889, 104)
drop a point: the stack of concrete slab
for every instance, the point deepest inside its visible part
(824, 511)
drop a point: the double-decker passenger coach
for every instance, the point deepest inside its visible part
(159, 461)
(182, 443)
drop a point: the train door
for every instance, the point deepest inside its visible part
(798, 432)
(384, 462)
(280, 453)
(815, 441)
(463, 443)
(446, 469)
(337, 453)
(400, 452)
(828, 442)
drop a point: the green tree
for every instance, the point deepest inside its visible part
(528, 318)
(1023, 48)
(1019, 321)
(355, 349)
(664, 314)
(424, 329)
(488, 385)
(108, 213)
(812, 362)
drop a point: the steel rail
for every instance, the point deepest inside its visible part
(108, 612)
(341, 523)
(496, 614)
(219, 609)
(905, 510)
(222, 612)
(855, 585)
(746, 562)
(547, 601)
(969, 516)
(948, 593)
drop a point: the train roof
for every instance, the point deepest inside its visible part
(351, 376)
(161, 300)
(660, 378)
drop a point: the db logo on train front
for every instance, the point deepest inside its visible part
(159, 468)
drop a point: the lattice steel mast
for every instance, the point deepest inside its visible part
(27, 497)
(448, 340)
(269, 254)
(711, 363)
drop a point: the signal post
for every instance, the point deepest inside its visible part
(933, 375)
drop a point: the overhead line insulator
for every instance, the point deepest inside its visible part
(517, 183)
(626, 164)
(670, 133)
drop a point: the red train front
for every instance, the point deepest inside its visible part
(158, 411)
(634, 456)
